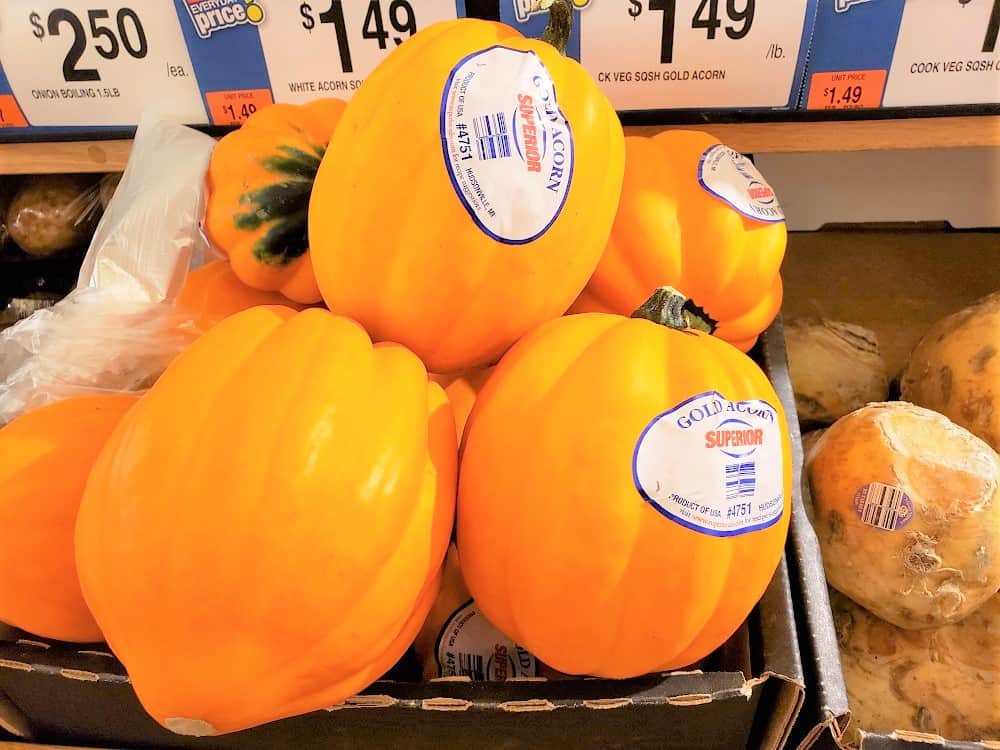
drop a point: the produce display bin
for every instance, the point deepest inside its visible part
(825, 714)
(53, 692)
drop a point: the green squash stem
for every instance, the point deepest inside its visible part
(560, 22)
(670, 308)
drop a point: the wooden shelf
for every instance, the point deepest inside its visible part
(850, 135)
(63, 157)
(771, 137)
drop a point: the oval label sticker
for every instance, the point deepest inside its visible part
(732, 178)
(738, 485)
(507, 146)
(470, 646)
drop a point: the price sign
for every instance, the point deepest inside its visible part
(853, 89)
(327, 47)
(653, 54)
(88, 62)
(946, 53)
(10, 113)
(234, 107)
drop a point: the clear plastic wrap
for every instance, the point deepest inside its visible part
(107, 186)
(117, 330)
(52, 213)
(7, 187)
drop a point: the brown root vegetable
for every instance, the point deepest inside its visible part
(943, 681)
(835, 368)
(907, 511)
(53, 213)
(955, 369)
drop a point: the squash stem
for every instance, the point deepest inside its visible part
(560, 23)
(670, 308)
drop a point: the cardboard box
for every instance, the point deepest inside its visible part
(53, 692)
(62, 693)
(826, 713)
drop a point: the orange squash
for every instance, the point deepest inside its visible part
(649, 473)
(45, 458)
(462, 388)
(260, 179)
(456, 245)
(213, 292)
(270, 521)
(674, 229)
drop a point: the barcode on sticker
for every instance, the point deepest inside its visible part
(492, 138)
(472, 666)
(882, 505)
(741, 480)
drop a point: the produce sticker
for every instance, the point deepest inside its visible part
(738, 485)
(470, 646)
(883, 506)
(507, 146)
(734, 179)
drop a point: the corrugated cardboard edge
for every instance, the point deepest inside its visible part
(834, 726)
(782, 660)
(788, 704)
(782, 656)
(806, 565)
(790, 692)
(11, 719)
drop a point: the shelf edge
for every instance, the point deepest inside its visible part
(771, 137)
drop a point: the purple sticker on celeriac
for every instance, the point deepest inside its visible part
(883, 506)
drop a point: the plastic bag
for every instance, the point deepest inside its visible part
(117, 331)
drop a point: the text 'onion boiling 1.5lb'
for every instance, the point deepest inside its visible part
(468, 192)
(625, 491)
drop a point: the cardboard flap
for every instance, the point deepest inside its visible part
(12, 720)
(783, 661)
(828, 709)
